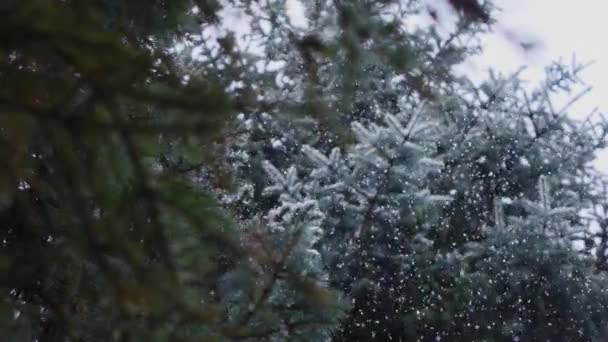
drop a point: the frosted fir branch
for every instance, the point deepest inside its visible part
(332, 188)
(425, 195)
(275, 175)
(423, 240)
(413, 120)
(278, 268)
(291, 177)
(499, 213)
(544, 190)
(414, 147)
(287, 197)
(424, 128)
(326, 167)
(320, 173)
(531, 207)
(395, 126)
(409, 189)
(283, 183)
(314, 234)
(560, 76)
(362, 134)
(370, 137)
(431, 162)
(439, 198)
(359, 207)
(335, 156)
(369, 155)
(316, 156)
(386, 162)
(304, 213)
(562, 212)
(574, 100)
(474, 132)
(493, 95)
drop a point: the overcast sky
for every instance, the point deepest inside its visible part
(563, 28)
(559, 28)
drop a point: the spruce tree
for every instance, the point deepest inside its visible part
(103, 237)
(460, 268)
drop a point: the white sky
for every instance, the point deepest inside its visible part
(563, 28)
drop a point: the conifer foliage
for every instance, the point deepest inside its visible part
(452, 210)
(243, 170)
